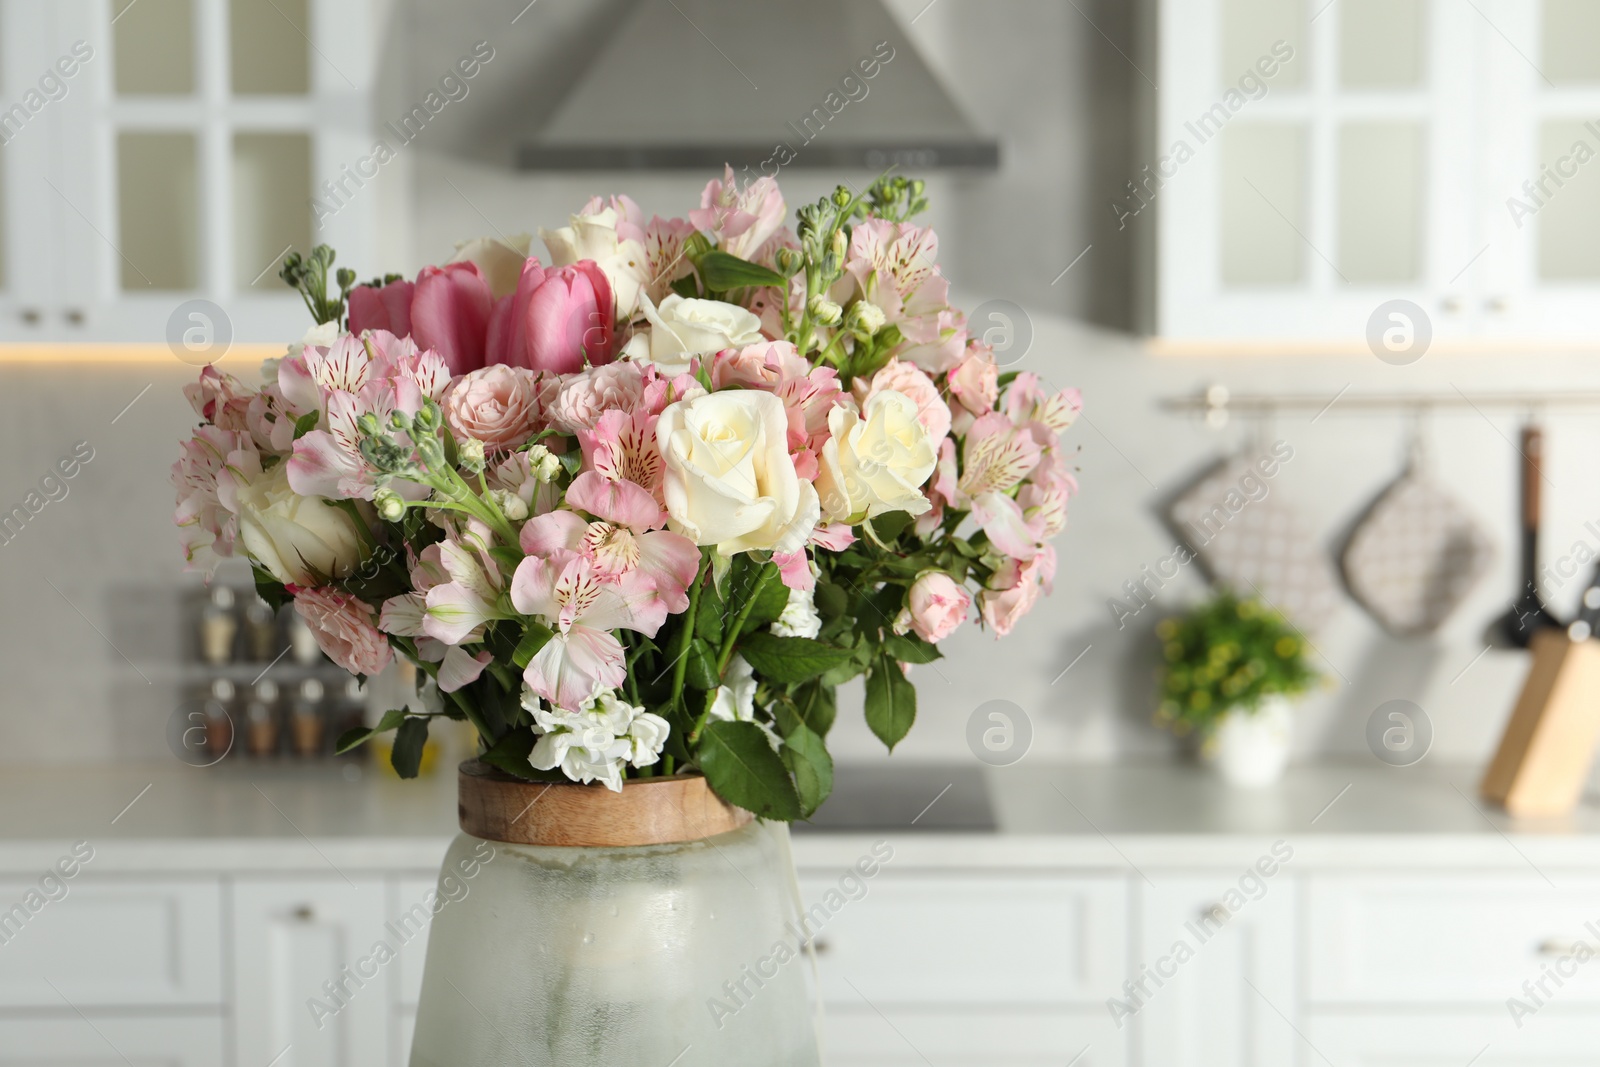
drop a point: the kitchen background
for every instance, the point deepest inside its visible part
(97, 627)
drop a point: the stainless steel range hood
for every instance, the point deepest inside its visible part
(694, 84)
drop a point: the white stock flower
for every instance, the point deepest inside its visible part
(876, 459)
(735, 700)
(685, 326)
(595, 743)
(799, 617)
(730, 481)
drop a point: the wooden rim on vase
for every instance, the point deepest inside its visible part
(668, 810)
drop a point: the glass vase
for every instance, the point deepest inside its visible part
(575, 925)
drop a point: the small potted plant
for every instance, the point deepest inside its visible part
(1231, 669)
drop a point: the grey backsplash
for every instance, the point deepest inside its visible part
(1056, 96)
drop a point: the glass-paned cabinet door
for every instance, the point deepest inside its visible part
(1540, 200)
(1313, 165)
(190, 155)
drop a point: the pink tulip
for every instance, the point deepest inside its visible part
(450, 314)
(556, 320)
(382, 308)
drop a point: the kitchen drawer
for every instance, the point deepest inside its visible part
(102, 1042)
(907, 1037)
(1485, 1037)
(112, 943)
(1004, 939)
(1442, 939)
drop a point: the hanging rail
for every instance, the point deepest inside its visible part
(1216, 402)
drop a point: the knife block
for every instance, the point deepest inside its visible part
(1548, 745)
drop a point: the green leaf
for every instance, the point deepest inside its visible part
(306, 423)
(708, 615)
(891, 702)
(790, 659)
(406, 756)
(806, 756)
(909, 649)
(534, 637)
(702, 665)
(686, 287)
(890, 524)
(831, 600)
(510, 753)
(361, 735)
(742, 769)
(507, 556)
(270, 589)
(860, 656)
(772, 598)
(722, 271)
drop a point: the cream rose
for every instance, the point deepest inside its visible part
(595, 237)
(875, 459)
(300, 540)
(683, 326)
(729, 479)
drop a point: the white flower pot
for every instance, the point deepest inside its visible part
(1251, 749)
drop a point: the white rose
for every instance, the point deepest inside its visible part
(684, 326)
(730, 481)
(499, 263)
(594, 237)
(303, 540)
(876, 459)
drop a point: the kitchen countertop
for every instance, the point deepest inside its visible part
(1119, 818)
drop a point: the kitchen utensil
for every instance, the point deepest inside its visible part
(1249, 539)
(1529, 613)
(1417, 553)
(1587, 624)
(1543, 760)
(218, 625)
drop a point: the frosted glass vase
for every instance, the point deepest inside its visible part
(660, 952)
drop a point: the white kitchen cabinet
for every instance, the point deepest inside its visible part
(1219, 1003)
(178, 162)
(108, 1040)
(293, 940)
(1311, 162)
(1484, 1038)
(916, 1037)
(112, 943)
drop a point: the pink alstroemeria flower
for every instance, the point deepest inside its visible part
(669, 560)
(623, 471)
(583, 605)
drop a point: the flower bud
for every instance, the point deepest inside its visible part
(827, 312)
(391, 505)
(841, 244)
(789, 261)
(866, 317)
(510, 504)
(842, 196)
(368, 424)
(543, 463)
(470, 454)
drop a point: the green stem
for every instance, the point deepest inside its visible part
(769, 571)
(680, 665)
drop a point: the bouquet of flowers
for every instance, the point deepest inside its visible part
(642, 509)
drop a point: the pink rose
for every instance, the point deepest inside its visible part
(758, 366)
(907, 378)
(1015, 588)
(497, 405)
(584, 397)
(556, 320)
(974, 382)
(343, 628)
(936, 606)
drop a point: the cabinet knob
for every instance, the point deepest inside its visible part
(1450, 305)
(74, 316)
(1497, 304)
(31, 316)
(1560, 946)
(303, 913)
(821, 946)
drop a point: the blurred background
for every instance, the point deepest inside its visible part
(1233, 228)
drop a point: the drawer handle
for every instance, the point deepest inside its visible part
(1215, 912)
(303, 913)
(1556, 946)
(821, 946)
